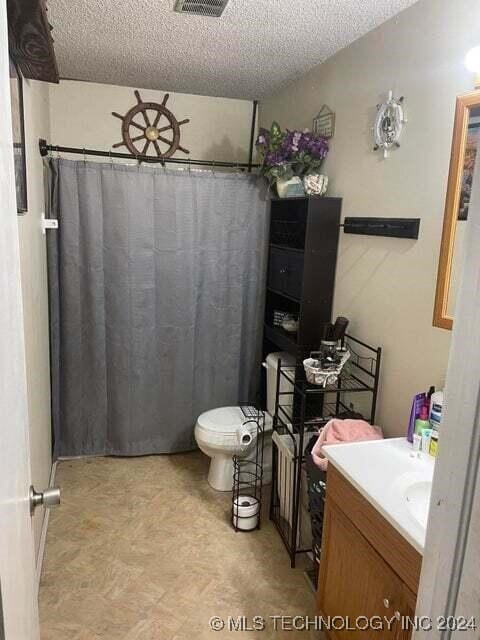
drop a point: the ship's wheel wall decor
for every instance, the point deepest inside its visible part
(388, 125)
(149, 128)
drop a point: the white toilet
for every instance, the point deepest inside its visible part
(224, 432)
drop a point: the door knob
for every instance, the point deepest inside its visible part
(48, 498)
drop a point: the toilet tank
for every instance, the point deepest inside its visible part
(271, 365)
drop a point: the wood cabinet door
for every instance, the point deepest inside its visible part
(285, 272)
(355, 583)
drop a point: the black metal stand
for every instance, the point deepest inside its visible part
(297, 414)
(248, 477)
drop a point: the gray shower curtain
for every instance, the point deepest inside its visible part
(156, 280)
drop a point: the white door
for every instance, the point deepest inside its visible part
(19, 602)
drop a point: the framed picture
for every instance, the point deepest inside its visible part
(18, 127)
(472, 146)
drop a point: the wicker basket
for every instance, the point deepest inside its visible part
(322, 377)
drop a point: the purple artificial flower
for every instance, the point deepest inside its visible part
(275, 158)
(263, 139)
(302, 151)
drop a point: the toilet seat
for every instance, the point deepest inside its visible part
(223, 421)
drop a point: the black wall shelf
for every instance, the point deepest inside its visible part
(387, 227)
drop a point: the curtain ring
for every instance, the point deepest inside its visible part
(111, 159)
(84, 156)
(213, 167)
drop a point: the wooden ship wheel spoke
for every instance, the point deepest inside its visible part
(151, 136)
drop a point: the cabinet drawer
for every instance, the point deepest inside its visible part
(285, 272)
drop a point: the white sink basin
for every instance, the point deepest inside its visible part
(393, 478)
(418, 501)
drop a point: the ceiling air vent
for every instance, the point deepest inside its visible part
(210, 8)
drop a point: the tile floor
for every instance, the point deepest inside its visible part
(142, 549)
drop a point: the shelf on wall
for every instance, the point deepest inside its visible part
(313, 420)
(347, 382)
(283, 339)
(284, 295)
(295, 198)
(278, 199)
(286, 247)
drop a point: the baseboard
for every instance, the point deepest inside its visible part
(43, 536)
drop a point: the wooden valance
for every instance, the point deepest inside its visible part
(30, 39)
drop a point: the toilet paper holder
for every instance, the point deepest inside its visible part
(248, 471)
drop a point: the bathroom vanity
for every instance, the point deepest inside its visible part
(376, 511)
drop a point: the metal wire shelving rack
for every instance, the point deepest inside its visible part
(301, 409)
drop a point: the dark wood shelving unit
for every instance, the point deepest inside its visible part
(303, 247)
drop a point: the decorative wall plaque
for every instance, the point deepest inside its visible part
(324, 122)
(388, 125)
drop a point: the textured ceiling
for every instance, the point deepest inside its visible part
(255, 47)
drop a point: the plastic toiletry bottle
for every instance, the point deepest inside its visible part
(422, 422)
(417, 441)
(434, 443)
(436, 408)
(418, 402)
(426, 437)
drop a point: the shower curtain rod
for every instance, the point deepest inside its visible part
(46, 148)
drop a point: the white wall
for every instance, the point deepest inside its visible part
(35, 294)
(387, 286)
(80, 114)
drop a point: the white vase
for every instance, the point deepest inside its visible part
(290, 188)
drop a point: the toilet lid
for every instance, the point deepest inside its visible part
(224, 420)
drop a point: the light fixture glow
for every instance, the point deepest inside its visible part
(472, 60)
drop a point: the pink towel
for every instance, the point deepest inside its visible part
(338, 431)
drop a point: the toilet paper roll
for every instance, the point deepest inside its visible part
(245, 513)
(244, 437)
